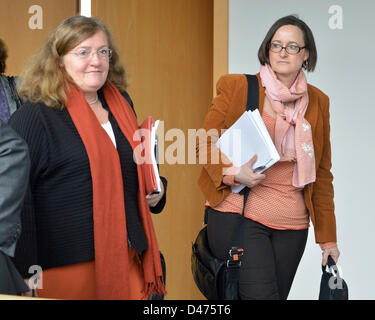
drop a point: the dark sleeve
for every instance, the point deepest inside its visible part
(27, 123)
(14, 174)
(161, 204)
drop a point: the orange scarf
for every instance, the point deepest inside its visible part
(110, 236)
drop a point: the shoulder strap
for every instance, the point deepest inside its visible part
(252, 92)
(252, 103)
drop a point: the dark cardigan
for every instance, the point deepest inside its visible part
(57, 217)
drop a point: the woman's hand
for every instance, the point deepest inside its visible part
(333, 252)
(153, 199)
(247, 176)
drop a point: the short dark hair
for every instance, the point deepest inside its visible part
(3, 56)
(263, 52)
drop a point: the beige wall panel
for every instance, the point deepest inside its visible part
(21, 40)
(221, 29)
(167, 46)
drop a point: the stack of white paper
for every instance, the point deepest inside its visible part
(245, 138)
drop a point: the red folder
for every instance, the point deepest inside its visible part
(149, 166)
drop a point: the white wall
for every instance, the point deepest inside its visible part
(85, 8)
(345, 73)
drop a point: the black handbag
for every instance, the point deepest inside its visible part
(218, 279)
(332, 286)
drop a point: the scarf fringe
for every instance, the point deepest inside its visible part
(153, 288)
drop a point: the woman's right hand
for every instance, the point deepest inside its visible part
(247, 176)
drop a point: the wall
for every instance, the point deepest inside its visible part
(343, 32)
(167, 46)
(221, 31)
(24, 31)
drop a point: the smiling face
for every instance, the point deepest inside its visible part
(89, 73)
(285, 64)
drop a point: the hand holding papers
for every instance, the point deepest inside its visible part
(245, 138)
(150, 166)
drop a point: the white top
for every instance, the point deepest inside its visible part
(108, 128)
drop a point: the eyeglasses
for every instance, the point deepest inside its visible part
(291, 49)
(84, 54)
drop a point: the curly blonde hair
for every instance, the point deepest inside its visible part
(45, 80)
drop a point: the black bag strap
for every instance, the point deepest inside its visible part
(233, 262)
(252, 104)
(252, 92)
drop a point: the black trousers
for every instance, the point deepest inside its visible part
(270, 259)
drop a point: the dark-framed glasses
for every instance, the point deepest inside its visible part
(84, 54)
(291, 48)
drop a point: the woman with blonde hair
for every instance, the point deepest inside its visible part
(86, 219)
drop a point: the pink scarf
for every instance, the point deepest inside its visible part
(293, 136)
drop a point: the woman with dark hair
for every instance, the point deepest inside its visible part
(9, 99)
(286, 196)
(86, 219)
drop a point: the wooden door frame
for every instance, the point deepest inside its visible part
(220, 41)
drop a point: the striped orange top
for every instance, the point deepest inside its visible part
(274, 202)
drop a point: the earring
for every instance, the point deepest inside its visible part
(305, 64)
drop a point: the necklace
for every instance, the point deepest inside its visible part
(93, 101)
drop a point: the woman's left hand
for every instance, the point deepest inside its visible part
(153, 199)
(333, 252)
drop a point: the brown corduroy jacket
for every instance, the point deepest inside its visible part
(228, 106)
